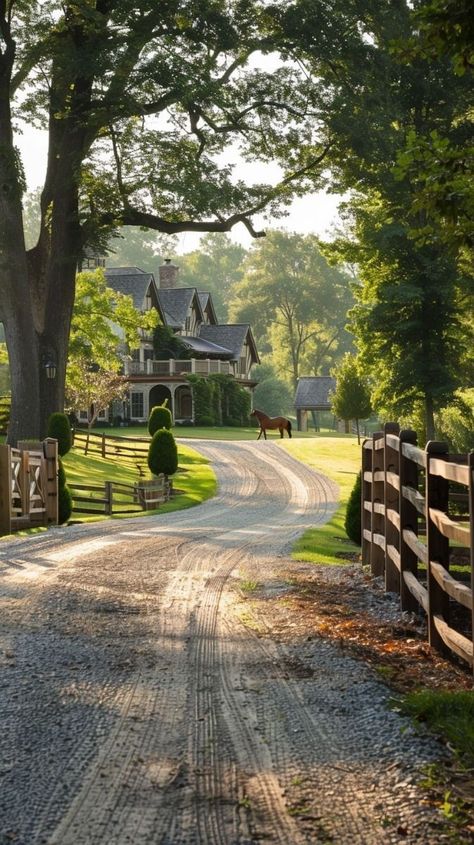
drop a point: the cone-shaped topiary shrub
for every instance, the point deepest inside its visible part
(64, 496)
(59, 427)
(160, 417)
(163, 453)
(352, 524)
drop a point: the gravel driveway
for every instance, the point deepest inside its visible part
(143, 701)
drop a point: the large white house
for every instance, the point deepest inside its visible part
(190, 314)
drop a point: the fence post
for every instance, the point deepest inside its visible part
(408, 519)
(391, 502)
(108, 497)
(5, 490)
(366, 496)
(103, 445)
(50, 451)
(377, 554)
(470, 461)
(436, 496)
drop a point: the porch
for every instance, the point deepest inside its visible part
(175, 367)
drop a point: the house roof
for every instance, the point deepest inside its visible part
(312, 392)
(133, 282)
(207, 304)
(231, 337)
(175, 303)
(206, 347)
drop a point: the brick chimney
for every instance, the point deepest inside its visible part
(168, 274)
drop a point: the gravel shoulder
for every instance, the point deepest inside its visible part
(158, 685)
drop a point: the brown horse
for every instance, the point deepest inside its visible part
(271, 422)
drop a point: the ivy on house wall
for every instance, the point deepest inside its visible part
(219, 400)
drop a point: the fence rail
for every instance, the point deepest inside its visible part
(132, 450)
(114, 497)
(413, 522)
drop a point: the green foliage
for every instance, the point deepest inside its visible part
(163, 453)
(64, 496)
(450, 714)
(219, 400)
(59, 427)
(138, 247)
(351, 397)
(160, 417)
(271, 392)
(5, 407)
(4, 368)
(202, 395)
(103, 321)
(167, 344)
(91, 389)
(410, 205)
(296, 303)
(352, 523)
(217, 265)
(455, 424)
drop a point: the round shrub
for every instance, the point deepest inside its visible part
(352, 523)
(160, 417)
(204, 419)
(59, 427)
(64, 496)
(163, 453)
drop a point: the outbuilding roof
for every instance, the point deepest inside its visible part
(312, 393)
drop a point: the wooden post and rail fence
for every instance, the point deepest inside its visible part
(29, 482)
(112, 496)
(133, 450)
(417, 514)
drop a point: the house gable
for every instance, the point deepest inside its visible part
(141, 286)
(182, 309)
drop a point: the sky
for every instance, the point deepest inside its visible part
(312, 214)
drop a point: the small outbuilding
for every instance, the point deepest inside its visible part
(312, 396)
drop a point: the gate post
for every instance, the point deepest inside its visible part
(5, 490)
(50, 452)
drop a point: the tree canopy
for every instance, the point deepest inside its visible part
(297, 304)
(145, 105)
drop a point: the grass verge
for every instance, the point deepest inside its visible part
(194, 481)
(338, 458)
(449, 714)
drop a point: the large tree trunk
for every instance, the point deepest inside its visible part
(37, 288)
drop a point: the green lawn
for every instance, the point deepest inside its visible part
(339, 458)
(194, 481)
(209, 432)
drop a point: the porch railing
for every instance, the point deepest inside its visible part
(174, 367)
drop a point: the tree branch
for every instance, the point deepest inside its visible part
(133, 217)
